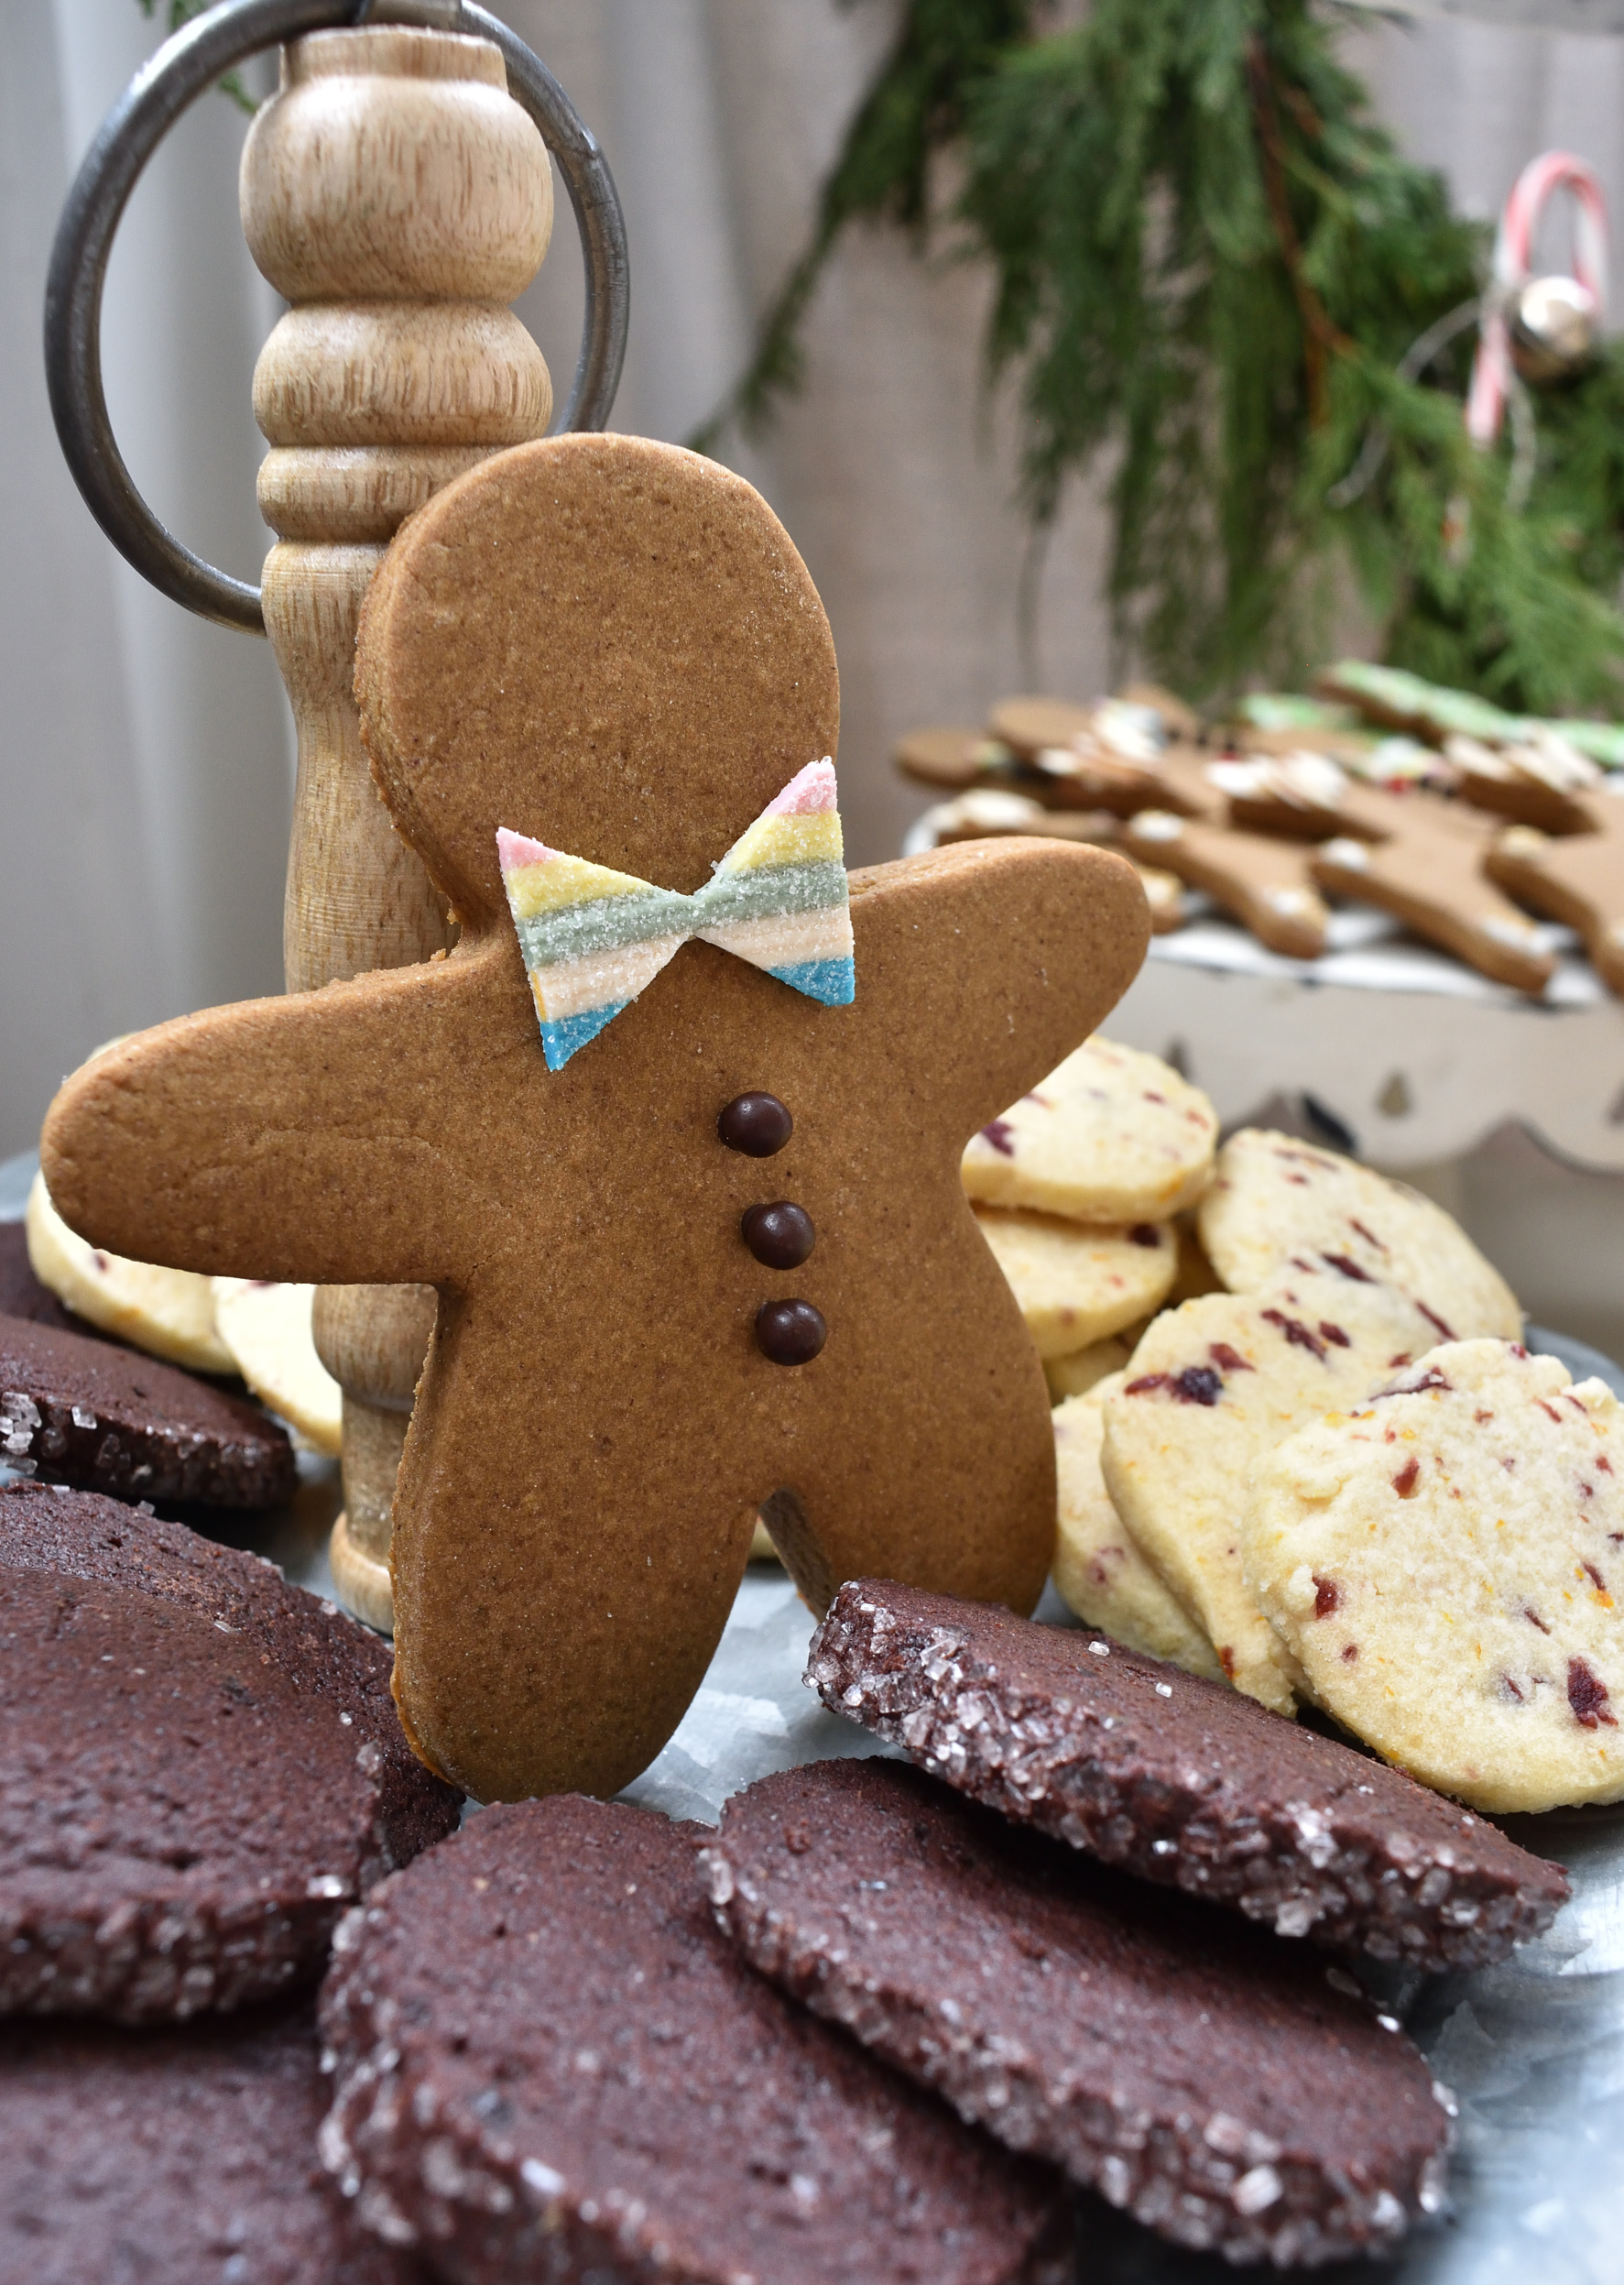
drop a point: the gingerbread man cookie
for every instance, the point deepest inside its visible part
(611, 648)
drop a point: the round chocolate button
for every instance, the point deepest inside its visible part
(781, 1236)
(790, 1332)
(759, 1125)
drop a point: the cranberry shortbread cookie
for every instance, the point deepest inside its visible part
(1211, 1388)
(1446, 1564)
(1111, 1135)
(1098, 1570)
(1275, 1200)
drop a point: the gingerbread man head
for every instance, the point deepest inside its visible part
(612, 647)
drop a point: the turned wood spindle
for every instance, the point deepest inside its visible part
(398, 198)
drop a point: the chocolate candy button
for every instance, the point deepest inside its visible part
(759, 1125)
(790, 1332)
(781, 1236)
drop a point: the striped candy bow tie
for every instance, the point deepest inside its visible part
(592, 938)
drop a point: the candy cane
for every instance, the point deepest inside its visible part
(1513, 249)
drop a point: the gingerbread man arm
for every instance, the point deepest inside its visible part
(982, 965)
(245, 1141)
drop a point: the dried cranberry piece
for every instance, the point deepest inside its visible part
(1334, 1335)
(1347, 1267)
(1368, 1235)
(1145, 1234)
(1295, 1331)
(1404, 1482)
(1198, 1385)
(1145, 1383)
(1587, 1695)
(1441, 1324)
(1229, 1360)
(1327, 1597)
(1001, 1135)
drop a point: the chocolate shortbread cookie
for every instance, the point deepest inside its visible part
(203, 1768)
(1206, 2078)
(22, 1294)
(1179, 1780)
(552, 2065)
(83, 1411)
(185, 2154)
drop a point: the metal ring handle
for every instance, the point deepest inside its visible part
(181, 71)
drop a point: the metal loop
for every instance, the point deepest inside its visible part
(183, 69)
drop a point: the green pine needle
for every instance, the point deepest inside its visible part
(1208, 260)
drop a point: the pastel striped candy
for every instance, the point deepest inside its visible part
(592, 938)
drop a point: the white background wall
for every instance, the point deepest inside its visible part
(144, 760)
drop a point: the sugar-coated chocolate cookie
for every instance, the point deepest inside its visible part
(21, 1292)
(89, 1413)
(1111, 1135)
(167, 1313)
(186, 2156)
(1099, 1569)
(552, 2065)
(203, 1768)
(268, 1329)
(1079, 1281)
(1208, 2079)
(609, 650)
(1447, 1565)
(1274, 1197)
(1211, 1386)
(1178, 1780)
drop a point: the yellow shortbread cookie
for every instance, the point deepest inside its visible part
(1083, 1369)
(1076, 1283)
(1274, 1198)
(1111, 1135)
(1212, 1387)
(169, 1313)
(1098, 1570)
(1447, 1564)
(267, 1329)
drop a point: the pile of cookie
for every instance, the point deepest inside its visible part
(885, 2021)
(882, 2024)
(1468, 825)
(232, 1327)
(1328, 1471)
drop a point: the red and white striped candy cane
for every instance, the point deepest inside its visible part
(1513, 251)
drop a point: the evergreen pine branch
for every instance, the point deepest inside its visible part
(1207, 257)
(915, 107)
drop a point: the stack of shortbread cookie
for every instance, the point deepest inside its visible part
(1223, 1492)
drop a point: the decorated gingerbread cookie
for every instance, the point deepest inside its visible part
(700, 1244)
(1578, 879)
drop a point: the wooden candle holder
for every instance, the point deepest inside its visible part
(399, 198)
